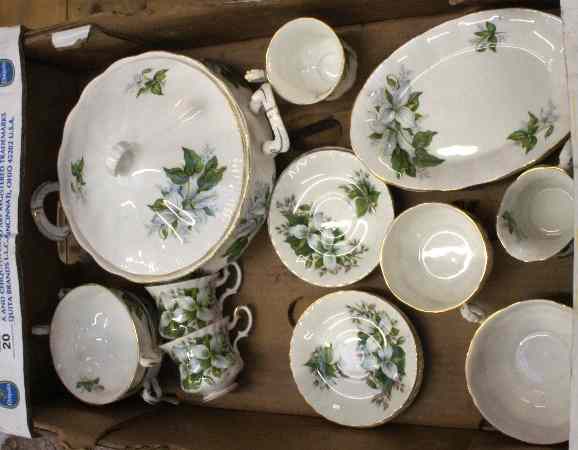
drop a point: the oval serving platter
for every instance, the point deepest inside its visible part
(468, 102)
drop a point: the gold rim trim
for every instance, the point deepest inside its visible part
(247, 147)
(342, 65)
(491, 318)
(418, 350)
(133, 333)
(488, 253)
(544, 155)
(541, 168)
(277, 245)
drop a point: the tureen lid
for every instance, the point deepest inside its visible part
(94, 344)
(153, 166)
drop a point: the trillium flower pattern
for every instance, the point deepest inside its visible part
(184, 311)
(315, 241)
(254, 218)
(190, 198)
(380, 345)
(394, 126)
(204, 360)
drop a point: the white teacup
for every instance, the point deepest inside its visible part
(307, 62)
(193, 304)
(208, 362)
(435, 257)
(536, 216)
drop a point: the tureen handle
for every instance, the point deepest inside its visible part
(264, 99)
(243, 333)
(45, 226)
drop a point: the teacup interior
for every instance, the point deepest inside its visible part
(305, 61)
(518, 371)
(536, 218)
(434, 257)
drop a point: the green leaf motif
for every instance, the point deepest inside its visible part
(89, 385)
(193, 162)
(413, 101)
(512, 226)
(527, 137)
(402, 163)
(362, 192)
(487, 38)
(177, 175)
(424, 159)
(145, 84)
(77, 172)
(423, 139)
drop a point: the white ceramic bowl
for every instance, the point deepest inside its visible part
(518, 371)
(435, 257)
(327, 217)
(356, 359)
(536, 216)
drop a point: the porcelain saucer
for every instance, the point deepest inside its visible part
(328, 217)
(356, 359)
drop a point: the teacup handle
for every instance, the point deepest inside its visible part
(152, 392)
(151, 359)
(243, 333)
(263, 98)
(233, 289)
(472, 312)
(44, 225)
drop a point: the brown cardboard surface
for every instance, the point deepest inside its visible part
(33, 13)
(80, 426)
(276, 296)
(225, 430)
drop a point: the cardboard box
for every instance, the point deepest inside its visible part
(267, 409)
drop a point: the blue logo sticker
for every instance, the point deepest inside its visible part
(9, 395)
(6, 72)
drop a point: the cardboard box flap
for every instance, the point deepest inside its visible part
(81, 426)
(98, 48)
(199, 428)
(189, 22)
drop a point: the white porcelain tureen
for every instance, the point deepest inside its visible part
(166, 166)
